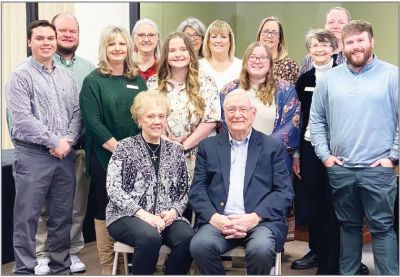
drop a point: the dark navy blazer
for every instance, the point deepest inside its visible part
(267, 184)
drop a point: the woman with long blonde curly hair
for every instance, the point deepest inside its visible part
(278, 107)
(193, 95)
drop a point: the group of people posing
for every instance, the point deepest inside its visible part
(164, 128)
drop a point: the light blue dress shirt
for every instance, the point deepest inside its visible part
(235, 202)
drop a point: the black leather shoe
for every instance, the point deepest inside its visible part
(310, 260)
(363, 269)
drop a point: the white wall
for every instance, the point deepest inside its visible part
(93, 18)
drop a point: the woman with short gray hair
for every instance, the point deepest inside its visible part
(321, 44)
(196, 30)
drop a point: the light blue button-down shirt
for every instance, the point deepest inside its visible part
(235, 202)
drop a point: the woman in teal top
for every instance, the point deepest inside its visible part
(105, 100)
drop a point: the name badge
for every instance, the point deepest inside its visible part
(311, 89)
(132, 86)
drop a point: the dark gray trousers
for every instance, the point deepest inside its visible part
(208, 244)
(41, 179)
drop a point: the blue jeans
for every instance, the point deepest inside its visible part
(371, 192)
(208, 244)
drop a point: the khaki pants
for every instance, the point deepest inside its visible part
(78, 214)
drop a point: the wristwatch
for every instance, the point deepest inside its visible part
(395, 161)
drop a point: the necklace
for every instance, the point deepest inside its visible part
(153, 156)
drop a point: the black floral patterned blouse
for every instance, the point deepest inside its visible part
(132, 182)
(286, 69)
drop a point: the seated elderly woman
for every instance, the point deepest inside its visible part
(147, 185)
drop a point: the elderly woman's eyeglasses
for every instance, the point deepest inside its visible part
(149, 35)
(267, 32)
(323, 45)
(193, 36)
(254, 58)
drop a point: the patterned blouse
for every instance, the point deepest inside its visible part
(132, 182)
(286, 69)
(183, 121)
(287, 120)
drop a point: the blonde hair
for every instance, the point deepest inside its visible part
(282, 47)
(108, 35)
(146, 99)
(192, 80)
(266, 91)
(219, 26)
(155, 26)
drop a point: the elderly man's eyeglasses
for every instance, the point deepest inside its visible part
(254, 58)
(267, 32)
(241, 110)
(149, 35)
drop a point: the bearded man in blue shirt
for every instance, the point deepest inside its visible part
(354, 130)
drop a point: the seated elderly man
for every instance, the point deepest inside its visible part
(241, 191)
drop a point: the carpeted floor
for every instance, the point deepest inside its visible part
(293, 250)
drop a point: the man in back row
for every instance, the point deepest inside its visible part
(67, 42)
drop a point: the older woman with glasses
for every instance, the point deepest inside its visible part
(148, 189)
(196, 30)
(270, 33)
(278, 108)
(335, 19)
(146, 47)
(323, 224)
(219, 50)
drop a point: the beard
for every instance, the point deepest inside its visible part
(359, 61)
(67, 50)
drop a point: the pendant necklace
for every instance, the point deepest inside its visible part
(153, 156)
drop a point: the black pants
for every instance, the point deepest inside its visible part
(323, 224)
(147, 243)
(98, 184)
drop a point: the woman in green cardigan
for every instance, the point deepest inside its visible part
(105, 99)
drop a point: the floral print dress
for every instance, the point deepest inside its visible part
(183, 120)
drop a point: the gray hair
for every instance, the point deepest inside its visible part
(155, 26)
(239, 91)
(194, 23)
(321, 35)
